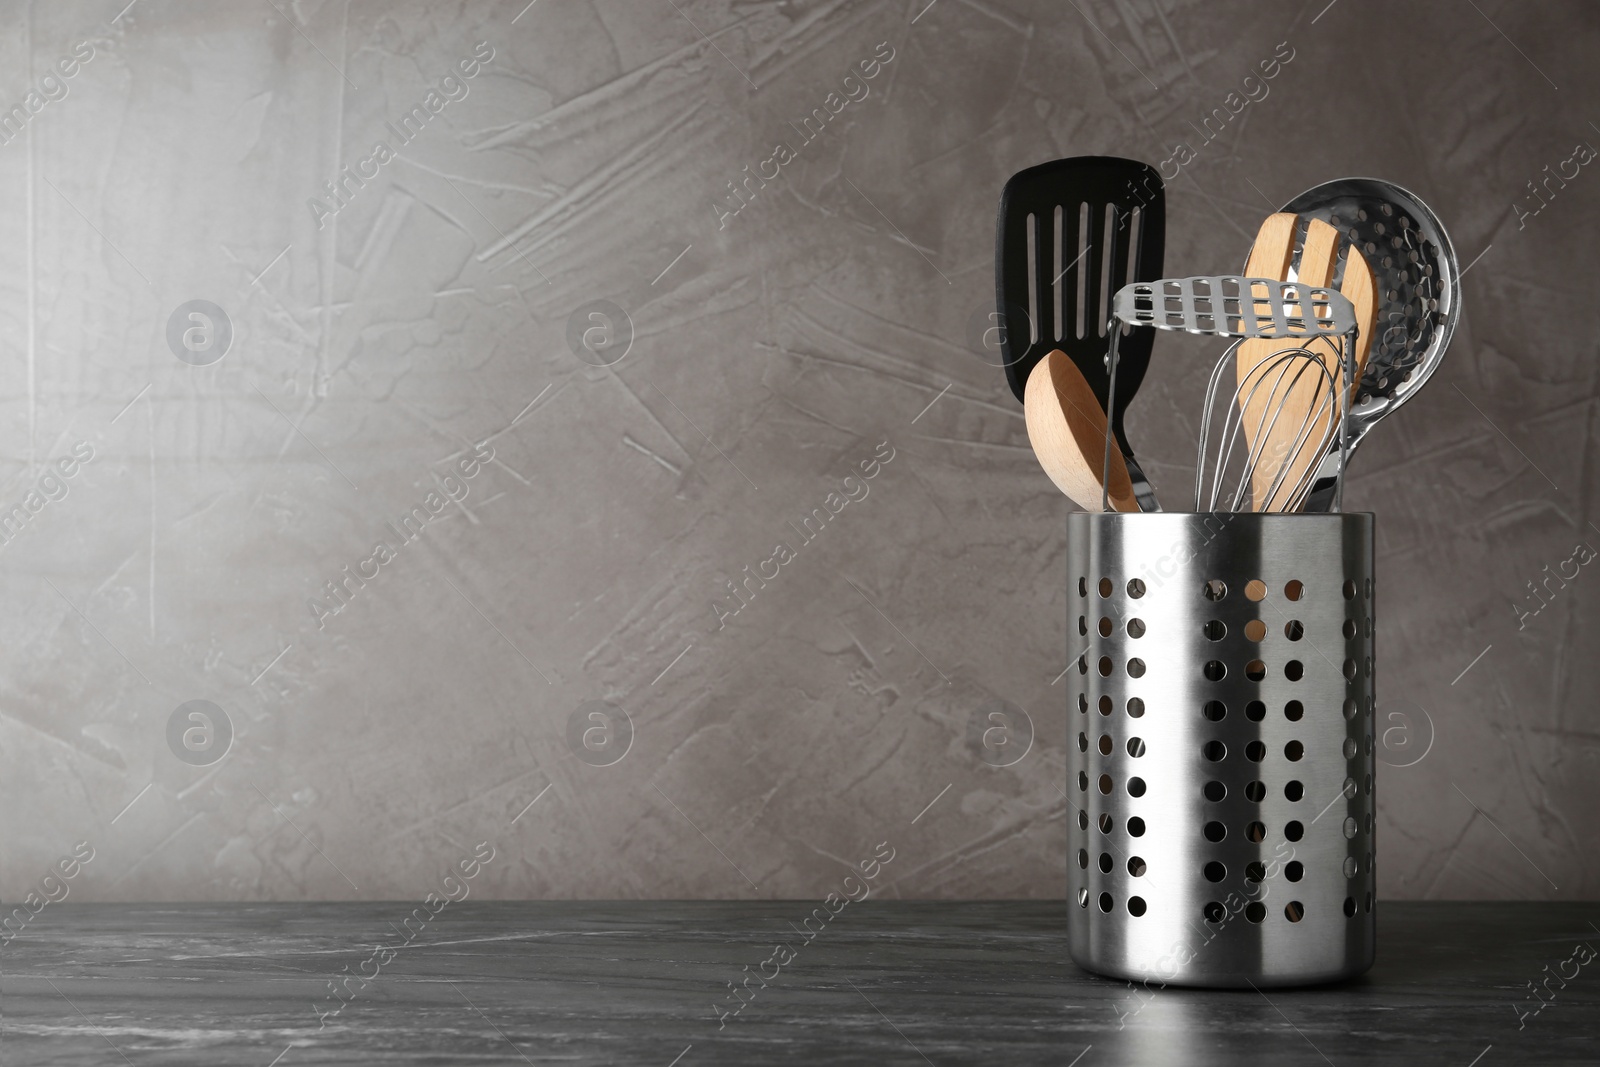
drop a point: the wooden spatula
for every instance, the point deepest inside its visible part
(1286, 430)
(1067, 426)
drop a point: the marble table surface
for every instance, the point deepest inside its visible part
(886, 982)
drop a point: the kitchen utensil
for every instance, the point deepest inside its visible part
(1221, 819)
(1069, 233)
(1315, 266)
(1301, 318)
(1068, 429)
(1418, 300)
(1286, 409)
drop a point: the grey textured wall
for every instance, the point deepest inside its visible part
(439, 314)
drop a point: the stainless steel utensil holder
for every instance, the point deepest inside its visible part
(1220, 764)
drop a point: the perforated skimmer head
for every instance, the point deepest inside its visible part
(1418, 282)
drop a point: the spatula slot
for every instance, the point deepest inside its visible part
(1108, 248)
(1080, 270)
(1033, 278)
(1135, 221)
(1055, 286)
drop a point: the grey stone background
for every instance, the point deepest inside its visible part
(771, 354)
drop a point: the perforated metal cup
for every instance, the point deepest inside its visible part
(1220, 726)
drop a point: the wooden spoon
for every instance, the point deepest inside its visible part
(1068, 429)
(1271, 257)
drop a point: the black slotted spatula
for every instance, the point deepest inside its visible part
(1070, 233)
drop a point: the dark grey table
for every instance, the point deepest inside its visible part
(645, 983)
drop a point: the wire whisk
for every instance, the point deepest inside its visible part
(1287, 403)
(1286, 408)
